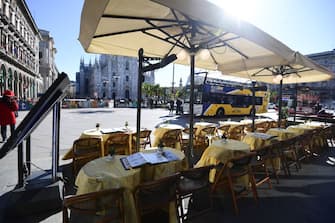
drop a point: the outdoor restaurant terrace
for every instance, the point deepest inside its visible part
(247, 169)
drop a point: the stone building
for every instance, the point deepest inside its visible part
(326, 88)
(113, 77)
(47, 66)
(19, 50)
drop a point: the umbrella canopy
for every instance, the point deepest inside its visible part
(161, 28)
(295, 68)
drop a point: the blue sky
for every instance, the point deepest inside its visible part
(306, 26)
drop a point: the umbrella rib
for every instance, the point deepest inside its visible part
(254, 74)
(129, 31)
(140, 18)
(165, 40)
(184, 32)
(166, 33)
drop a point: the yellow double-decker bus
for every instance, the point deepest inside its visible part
(215, 96)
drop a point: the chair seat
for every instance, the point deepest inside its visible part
(187, 185)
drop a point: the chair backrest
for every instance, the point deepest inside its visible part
(85, 150)
(144, 139)
(262, 127)
(101, 206)
(223, 130)
(154, 195)
(119, 142)
(235, 167)
(273, 124)
(283, 123)
(171, 138)
(236, 132)
(210, 130)
(194, 179)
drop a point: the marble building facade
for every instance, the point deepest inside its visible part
(19, 50)
(112, 77)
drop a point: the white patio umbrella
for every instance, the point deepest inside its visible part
(164, 27)
(293, 69)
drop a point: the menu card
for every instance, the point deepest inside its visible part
(263, 135)
(140, 158)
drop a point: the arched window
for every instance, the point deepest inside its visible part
(10, 80)
(2, 78)
(127, 65)
(127, 93)
(127, 78)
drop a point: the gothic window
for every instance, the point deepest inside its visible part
(127, 78)
(114, 84)
(127, 65)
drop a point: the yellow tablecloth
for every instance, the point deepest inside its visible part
(159, 132)
(221, 151)
(306, 127)
(202, 125)
(281, 133)
(106, 173)
(257, 140)
(104, 134)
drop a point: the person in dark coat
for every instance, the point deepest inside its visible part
(8, 107)
(179, 108)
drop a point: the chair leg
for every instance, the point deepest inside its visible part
(274, 170)
(267, 176)
(231, 188)
(253, 185)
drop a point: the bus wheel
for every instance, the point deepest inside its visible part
(220, 113)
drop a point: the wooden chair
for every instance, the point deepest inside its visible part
(119, 142)
(153, 199)
(194, 185)
(101, 206)
(236, 132)
(288, 154)
(144, 139)
(203, 139)
(273, 124)
(229, 172)
(283, 123)
(260, 163)
(262, 127)
(171, 138)
(223, 130)
(185, 136)
(85, 150)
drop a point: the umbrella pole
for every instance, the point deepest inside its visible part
(280, 101)
(295, 102)
(253, 112)
(190, 152)
(139, 97)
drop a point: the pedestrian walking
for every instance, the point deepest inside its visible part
(171, 106)
(8, 108)
(179, 107)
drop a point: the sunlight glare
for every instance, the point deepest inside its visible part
(242, 9)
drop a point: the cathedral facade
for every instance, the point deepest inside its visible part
(110, 77)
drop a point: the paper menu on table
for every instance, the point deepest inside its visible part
(140, 158)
